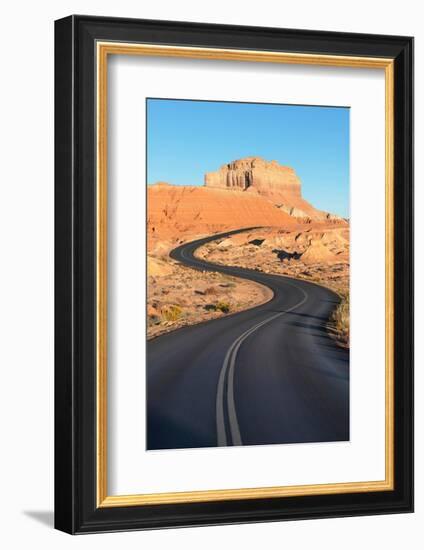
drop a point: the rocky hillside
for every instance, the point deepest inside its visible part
(279, 184)
(181, 211)
(247, 192)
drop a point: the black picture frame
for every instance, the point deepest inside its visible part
(76, 510)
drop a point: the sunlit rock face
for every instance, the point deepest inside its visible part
(174, 211)
(243, 193)
(279, 184)
(256, 173)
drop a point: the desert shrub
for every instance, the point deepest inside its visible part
(223, 306)
(171, 313)
(341, 319)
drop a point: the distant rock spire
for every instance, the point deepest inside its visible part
(265, 177)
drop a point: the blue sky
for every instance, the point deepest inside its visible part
(185, 139)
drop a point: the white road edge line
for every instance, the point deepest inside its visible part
(229, 365)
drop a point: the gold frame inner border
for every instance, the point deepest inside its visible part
(104, 49)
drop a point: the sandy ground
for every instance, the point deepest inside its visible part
(179, 296)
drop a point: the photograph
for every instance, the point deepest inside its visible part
(233, 255)
(248, 258)
(208, 275)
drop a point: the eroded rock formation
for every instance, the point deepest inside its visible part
(174, 210)
(247, 192)
(280, 184)
(256, 173)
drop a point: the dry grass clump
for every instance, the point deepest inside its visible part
(223, 306)
(171, 313)
(340, 320)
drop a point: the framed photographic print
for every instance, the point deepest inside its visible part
(233, 273)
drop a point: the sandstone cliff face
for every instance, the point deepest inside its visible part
(277, 183)
(257, 173)
(174, 211)
(248, 192)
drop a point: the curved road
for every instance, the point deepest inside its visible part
(271, 374)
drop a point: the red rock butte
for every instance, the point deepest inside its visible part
(255, 173)
(269, 179)
(244, 193)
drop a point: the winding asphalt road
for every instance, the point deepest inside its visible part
(268, 375)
